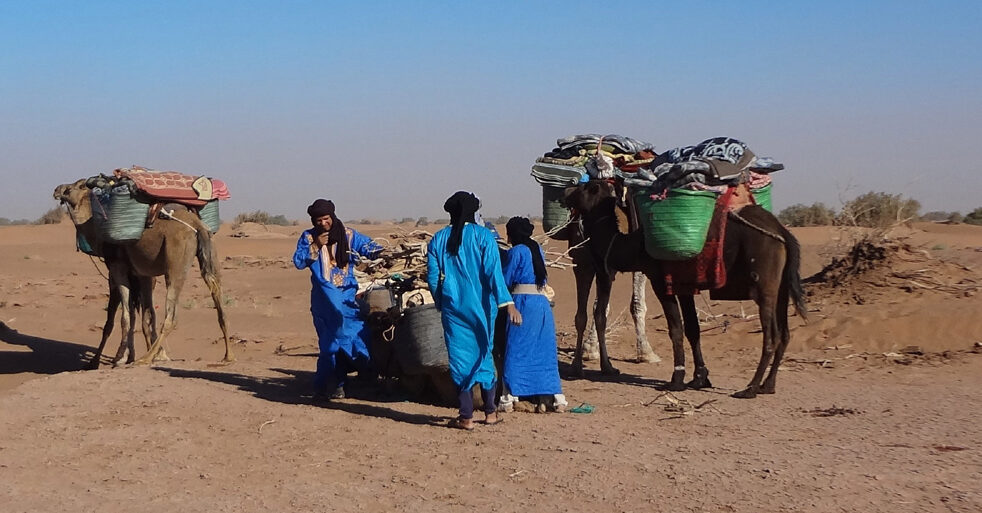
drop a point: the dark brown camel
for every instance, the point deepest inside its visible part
(584, 272)
(761, 258)
(166, 249)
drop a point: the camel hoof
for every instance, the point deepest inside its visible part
(677, 384)
(93, 365)
(610, 371)
(698, 384)
(767, 389)
(649, 358)
(747, 393)
(577, 370)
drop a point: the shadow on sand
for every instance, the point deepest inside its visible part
(46, 356)
(292, 389)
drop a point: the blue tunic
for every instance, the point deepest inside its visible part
(334, 308)
(531, 363)
(468, 289)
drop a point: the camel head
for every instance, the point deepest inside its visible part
(586, 198)
(75, 196)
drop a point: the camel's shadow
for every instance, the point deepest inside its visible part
(46, 356)
(292, 388)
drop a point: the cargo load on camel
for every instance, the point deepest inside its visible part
(129, 200)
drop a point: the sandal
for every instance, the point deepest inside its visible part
(498, 419)
(460, 423)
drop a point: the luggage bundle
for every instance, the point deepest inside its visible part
(675, 192)
(127, 202)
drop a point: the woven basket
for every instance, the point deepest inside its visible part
(553, 212)
(763, 197)
(419, 343)
(119, 216)
(675, 228)
(209, 215)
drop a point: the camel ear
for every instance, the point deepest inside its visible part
(571, 197)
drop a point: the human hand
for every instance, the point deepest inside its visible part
(322, 238)
(514, 315)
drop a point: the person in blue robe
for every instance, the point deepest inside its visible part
(531, 366)
(331, 251)
(464, 276)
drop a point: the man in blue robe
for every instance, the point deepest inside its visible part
(330, 252)
(464, 276)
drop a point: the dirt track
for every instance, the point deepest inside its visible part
(860, 422)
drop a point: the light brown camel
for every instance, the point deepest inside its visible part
(166, 249)
(584, 272)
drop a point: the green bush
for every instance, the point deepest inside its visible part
(878, 210)
(53, 216)
(262, 217)
(973, 217)
(800, 215)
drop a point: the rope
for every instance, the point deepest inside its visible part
(765, 231)
(170, 215)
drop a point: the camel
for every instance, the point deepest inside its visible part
(584, 272)
(166, 249)
(762, 260)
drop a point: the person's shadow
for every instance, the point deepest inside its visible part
(46, 356)
(291, 388)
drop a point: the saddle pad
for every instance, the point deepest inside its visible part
(163, 185)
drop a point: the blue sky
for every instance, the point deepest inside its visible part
(389, 107)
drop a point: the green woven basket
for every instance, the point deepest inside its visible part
(553, 212)
(675, 228)
(119, 216)
(763, 197)
(209, 215)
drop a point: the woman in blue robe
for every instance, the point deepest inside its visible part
(330, 251)
(531, 366)
(464, 276)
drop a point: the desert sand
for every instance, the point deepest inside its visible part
(877, 406)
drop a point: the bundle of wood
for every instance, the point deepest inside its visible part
(401, 269)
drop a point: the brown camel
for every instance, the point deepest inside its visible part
(166, 249)
(761, 258)
(584, 272)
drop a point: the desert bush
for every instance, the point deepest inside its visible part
(53, 216)
(13, 222)
(442, 221)
(937, 215)
(422, 221)
(499, 219)
(878, 210)
(955, 218)
(800, 215)
(261, 217)
(973, 217)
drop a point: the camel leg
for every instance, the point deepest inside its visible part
(174, 286)
(591, 347)
(107, 328)
(674, 319)
(690, 323)
(768, 326)
(149, 317)
(215, 286)
(784, 333)
(638, 311)
(600, 319)
(119, 276)
(584, 280)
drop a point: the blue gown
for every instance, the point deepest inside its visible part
(336, 313)
(468, 289)
(531, 364)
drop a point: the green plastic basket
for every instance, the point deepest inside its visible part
(763, 197)
(119, 216)
(675, 228)
(553, 212)
(209, 215)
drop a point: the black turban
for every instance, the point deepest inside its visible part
(321, 208)
(337, 235)
(519, 230)
(461, 206)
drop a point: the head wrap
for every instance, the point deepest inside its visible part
(519, 231)
(461, 206)
(337, 234)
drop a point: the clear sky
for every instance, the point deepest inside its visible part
(389, 107)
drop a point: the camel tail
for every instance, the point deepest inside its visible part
(792, 276)
(206, 260)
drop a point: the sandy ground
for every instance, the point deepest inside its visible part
(863, 420)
